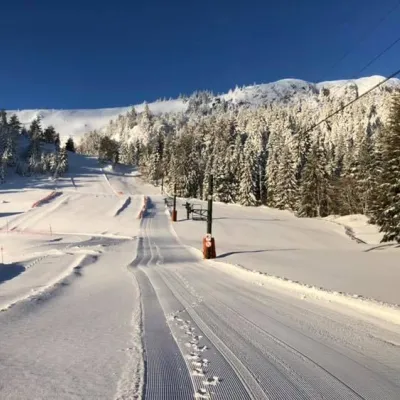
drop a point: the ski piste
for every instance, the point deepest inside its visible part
(107, 305)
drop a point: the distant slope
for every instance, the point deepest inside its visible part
(76, 122)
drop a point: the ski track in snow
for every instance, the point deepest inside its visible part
(194, 346)
(130, 385)
(259, 344)
(169, 325)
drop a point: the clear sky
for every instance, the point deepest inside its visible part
(89, 54)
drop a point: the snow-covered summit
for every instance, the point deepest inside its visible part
(77, 122)
(281, 90)
(286, 90)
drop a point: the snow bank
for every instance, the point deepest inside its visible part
(368, 307)
(357, 226)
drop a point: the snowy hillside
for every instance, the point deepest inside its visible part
(77, 122)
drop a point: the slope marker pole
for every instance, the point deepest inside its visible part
(209, 250)
(174, 212)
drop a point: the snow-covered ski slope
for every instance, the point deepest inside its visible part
(76, 122)
(97, 304)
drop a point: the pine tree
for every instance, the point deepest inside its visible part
(63, 165)
(35, 129)
(10, 153)
(272, 167)
(90, 143)
(9, 132)
(34, 150)
(222, 176)
(49, 134)
(15, 125)
(70, 145)
(124, 153)
(137, 152)
(3, 118)
(286, 191)
(246, 195)
(44, 163)
(302, 147)
(234, 161)
(108, 150)
(315, 190)
(146, 123)
(57, 142)
(4, 129)
(53, 162)
(132, 118)
(386, 212)
(4, 134)
(364, 173)
(3, 169)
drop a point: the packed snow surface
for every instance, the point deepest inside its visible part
(322, 253)
(98, 304)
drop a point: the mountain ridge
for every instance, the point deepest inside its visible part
(76, 122)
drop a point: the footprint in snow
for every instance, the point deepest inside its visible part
(201, 348)
(197, 364)
(193, 356)
(202, 394)
(212, 381)
(198, 372)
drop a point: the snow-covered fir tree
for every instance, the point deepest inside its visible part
(35, 129)
(246, 195)
(49, 134)
(316, 192)
(258, 145)
(286, 192)
(387, 203)
(63, 164)
(70, 145)
(25, 160)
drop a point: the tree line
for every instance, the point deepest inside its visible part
(265, 156)
(31, 151)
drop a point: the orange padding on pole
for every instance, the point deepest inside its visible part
(142, 212)
(174, 215)
(49, 197)
(209, 249)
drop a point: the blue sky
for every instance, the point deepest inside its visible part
(89, 54)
